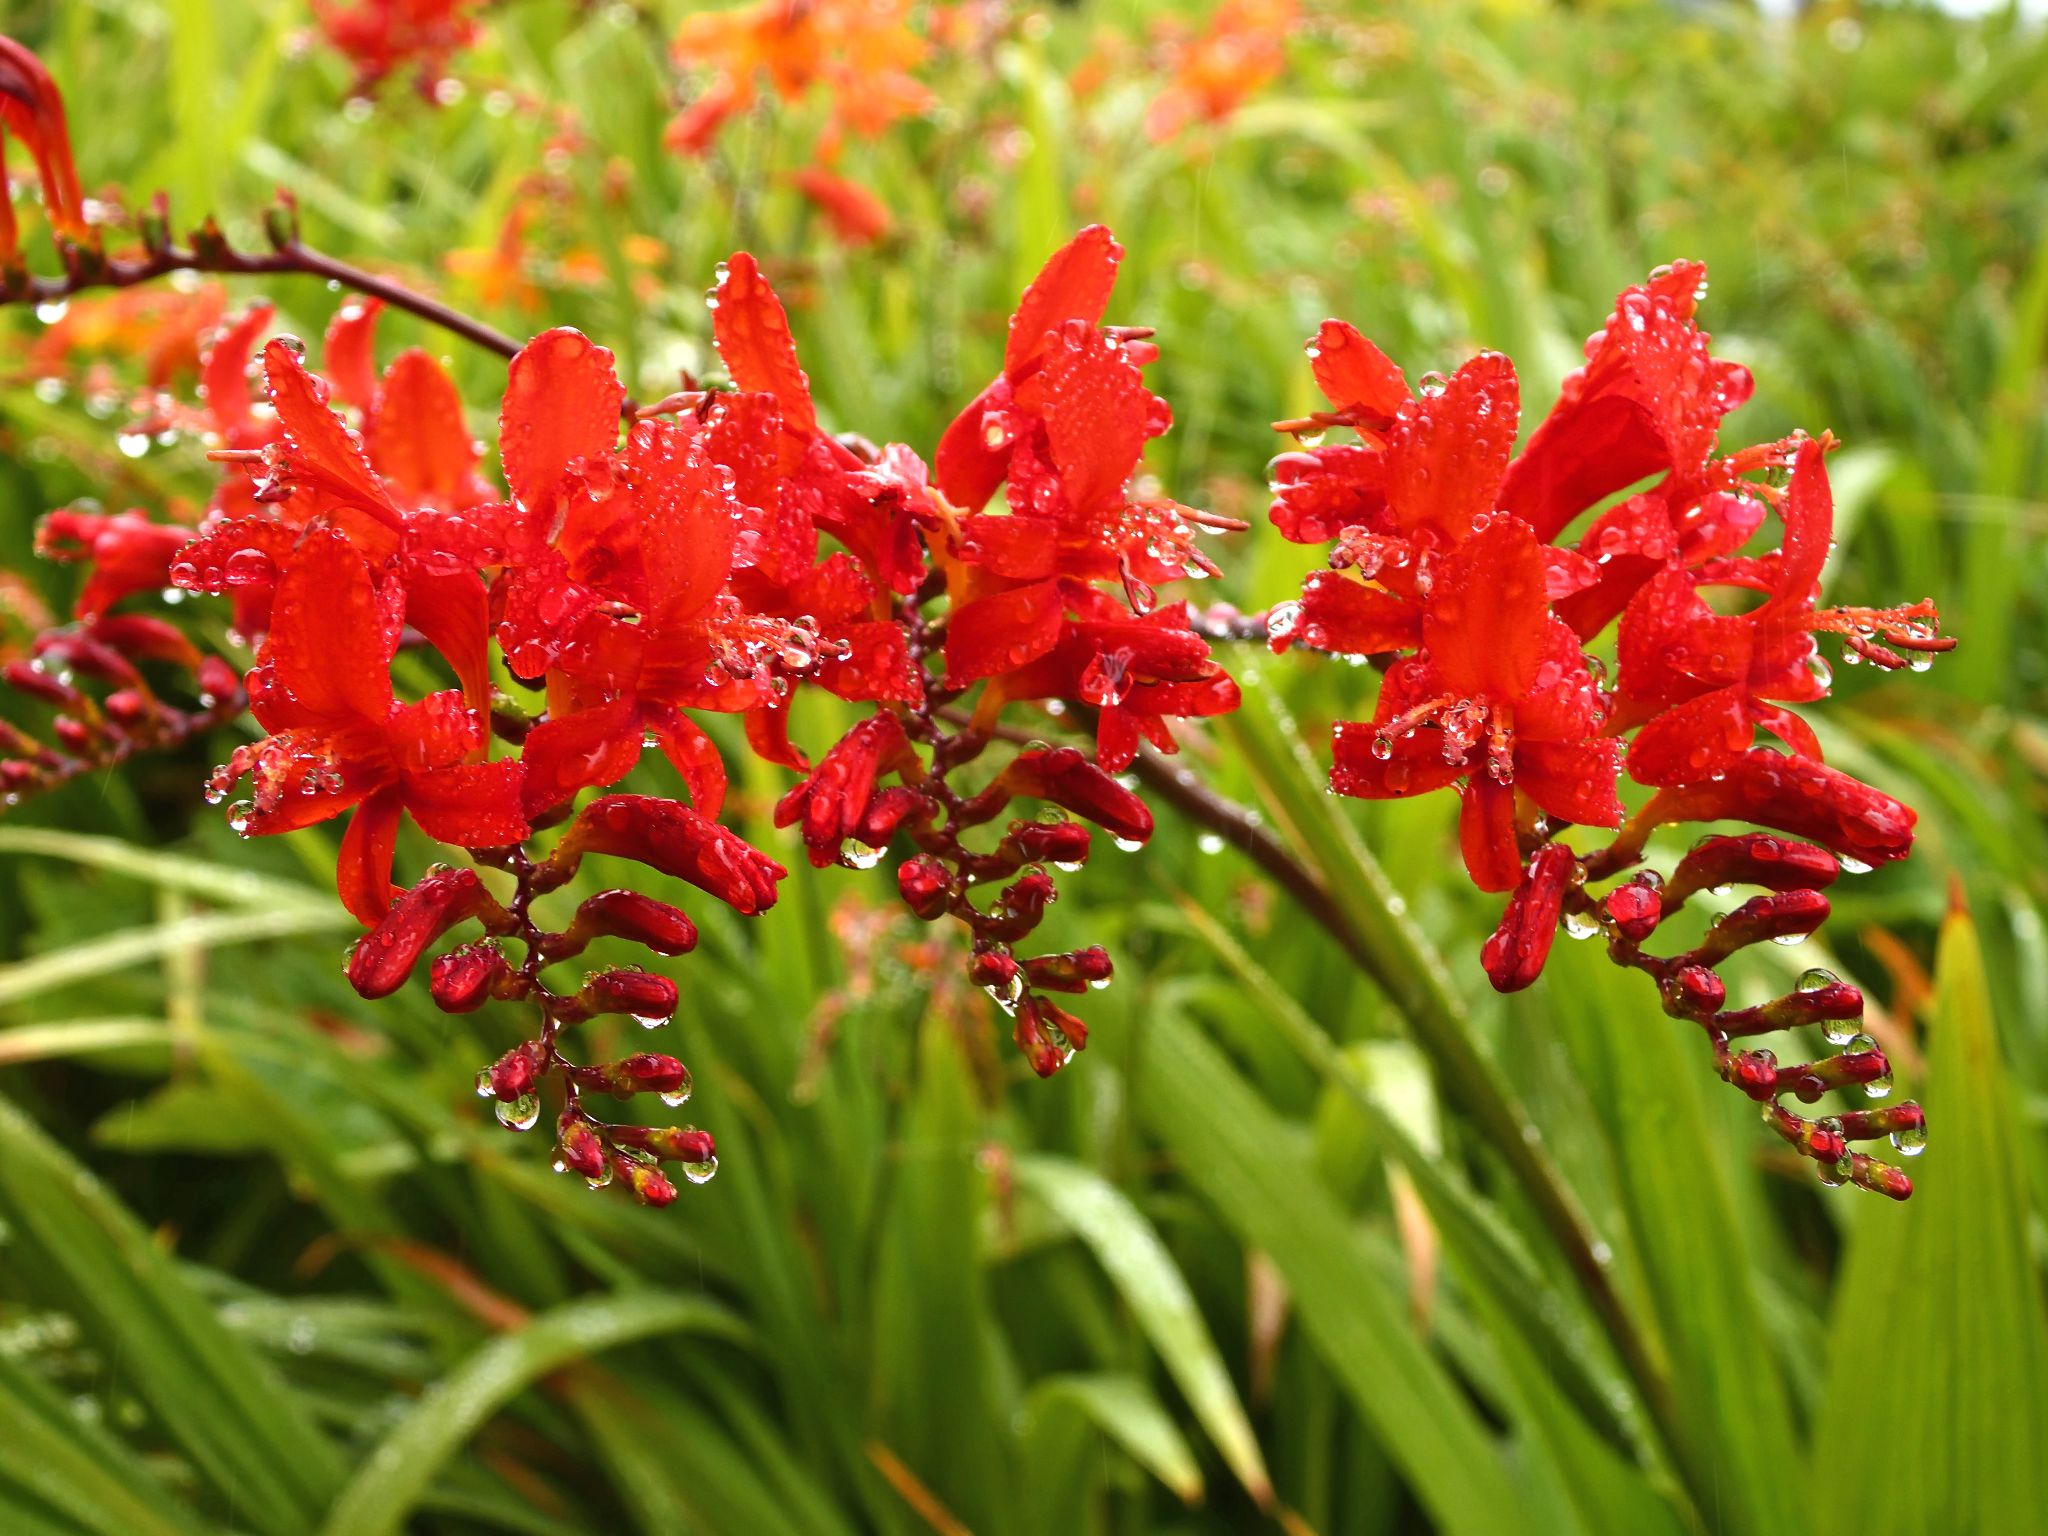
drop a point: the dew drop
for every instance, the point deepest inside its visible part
(521, 1113)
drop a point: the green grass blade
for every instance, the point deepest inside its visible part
(398, 1473)
(1939, 1338)
(1153, 1287)
(1126, 1410)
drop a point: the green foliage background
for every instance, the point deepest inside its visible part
(1253, 1259)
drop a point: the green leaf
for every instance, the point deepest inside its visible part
(132, 946)
(1127, 1411)
(1152, 1286)
(220, 883)
(1939, 1342)
(1199, 1106)
(397, 1474)
(214, 1396)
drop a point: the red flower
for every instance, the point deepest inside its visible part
(339, 739)
(1500, 699)
(382, 36)
(127, 552)
(32, 109)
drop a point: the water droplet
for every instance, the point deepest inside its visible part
(1851, 866)
(1578, 926)
(1129, 844)
(858, 855)
(700, 1173)
(521, 1113)
(1910, 1140)
(484, 1090)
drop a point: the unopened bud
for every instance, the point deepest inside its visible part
(1783, 917)
(1515, 954)
(461, 980)
(648, 997)
(925, 886)
(640, 919)
(1053, 842)
(1693, 992)
(645, 1072)
(513, 1075)
(650, 1186)
(384, 957)
(1075, 971)
(1048, 1035)
(579, 1148)
(1636, 908)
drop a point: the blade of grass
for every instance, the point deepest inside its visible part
(396, 1475)
(1152, 1286)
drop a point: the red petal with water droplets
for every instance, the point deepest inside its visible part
(451, 609)
(325, 454)
(331, 639)
(1096, 407)
(1485, 622)
(674, 839)
(1074, 284)
(471, 805)
(1353, 374)
(562, 403)
(224, 372)
(695, 757)
(688, 523)
(1341, 614)
(363, 871)
(768, 735)
(417, 436)
(1019, 548)
(1486, 834)
(1446, 452)
(1319, 493)
(1689, 740)
(347, 354)
(994, 634)
(877, 666)
(571, 751)
(1412, 764)
(966, 468)
(1573, 780)
(752, 331)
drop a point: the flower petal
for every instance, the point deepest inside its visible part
(1096, 408)
(363, 871)
(562, 403)
(1486, 619)
(324, 453)
(347, 354)
(1446, 452)
(1004, 630)
(471, 805)
(752, 332)
(1355, 375)
(331, 637)
(417, 436)
(1074, 284)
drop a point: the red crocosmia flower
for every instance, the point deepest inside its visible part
(1649, 401)
(1701, 683)
(380, 37)
(1795, 795)
(1500, 699)
(32, 109)
(322, 688)
(127, 552)
(164, 327)
(856, 216)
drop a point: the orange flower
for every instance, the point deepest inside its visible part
(860, 52)
(32, 109)
(856, 215)
(164, 327)
(1217, 70)
(498, 272)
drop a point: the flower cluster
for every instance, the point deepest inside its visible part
(1450, 558)
(381, 37)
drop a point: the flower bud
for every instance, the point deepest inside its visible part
(1052, 842)
(889, 810)
(925, 886)
(512, 1076)
(1514, 955)
(649, 998)
(640, 919)
(1865, 1067)
(670, 837)
(1755, 858)
(579, 1148)
(833, 803)
(996, 971)
(1796, 795)
(1075, 971)
(645, 1072)
(672, 1144)
(219, 684)
(384, 957)
(650, 1186)
(25, 677)
(1635, 909)
(1019, 908)
(1693, 992)
(1066, 778)
(1783, 917)
(1048, 1035)
(461, 980)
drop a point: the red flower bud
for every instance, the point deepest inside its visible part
(1783, 917)
(1905, 1124)
(645, 1072)
(1075, 971)
(672, 1144)
(641, 919)
(1066, 778)
(650, 1186)
(1515, 954)
(1867, 1067)
(385, 956)
(1795, 795)
(670, 837)
(1048, 1035)
(145, 637)
(579, 1149)
(649, 998)
(996, 971)
(889, 810)
(1693, 992)
(925, 886)
(25, 676)
(32, 108)
(461, 980)
(1756, 858)
(1054, 842)
(833, 802)
(1636, 908)
(513, 1075)
(1019, 908)
(219, 684)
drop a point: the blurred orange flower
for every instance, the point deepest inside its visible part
(856, 215)
(1217, 70)
(859, 52)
